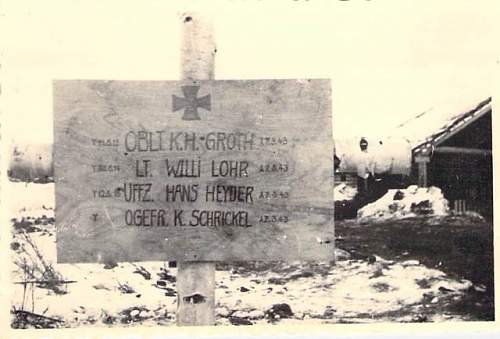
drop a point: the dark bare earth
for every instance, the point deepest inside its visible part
(460, 246)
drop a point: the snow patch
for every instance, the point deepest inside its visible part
(405, 203)
(343, 192)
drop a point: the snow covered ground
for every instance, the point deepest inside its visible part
(352, 290)
(343, 192)
(406, 203)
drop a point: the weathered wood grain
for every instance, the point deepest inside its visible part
(93, 229)
(196, 279)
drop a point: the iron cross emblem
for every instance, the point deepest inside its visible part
(190, 102)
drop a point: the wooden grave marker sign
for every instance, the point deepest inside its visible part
(208, 170)
(194, 278)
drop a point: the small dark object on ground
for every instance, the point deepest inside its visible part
(125, 288)
(280, 311)
(110, 265)
(170, 292)
(420, 318)
(399, 195)
(133, 314)
(423, 283)
(164, 275)
(305, 274)
(14, 245)
(108, 320)
(422, 208)
(277, 281)
(329, 312)
(239, 321)
(244, 289)
(372, 259)
(445, 290)
(381, 287)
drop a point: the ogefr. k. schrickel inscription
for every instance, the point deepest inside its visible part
(205, 170)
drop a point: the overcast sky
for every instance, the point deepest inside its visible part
(388, 60)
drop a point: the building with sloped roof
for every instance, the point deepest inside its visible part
(458, 159)
(438, 147)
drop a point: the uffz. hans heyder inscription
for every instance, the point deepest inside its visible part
(135, 192)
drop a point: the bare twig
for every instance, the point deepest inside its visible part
(32, 314)
(45, 282)
(142, 271)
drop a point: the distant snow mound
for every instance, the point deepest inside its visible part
(343, 192)
(406, 203)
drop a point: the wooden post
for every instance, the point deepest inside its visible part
(196, 280)
(422, 170)
(422, 174)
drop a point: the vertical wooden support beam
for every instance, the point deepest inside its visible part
(195, 293)
(197, 48)
(422, 169)
(196, 280)
(422, 174)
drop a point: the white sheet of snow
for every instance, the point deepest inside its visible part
(349, 290)
(435, 117)
(388, 208)
(29, 199)
(96, 294)
(344, 192)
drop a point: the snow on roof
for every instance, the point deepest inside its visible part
(434, 124)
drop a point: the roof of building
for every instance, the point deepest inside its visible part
(435, 126)
(432, 126)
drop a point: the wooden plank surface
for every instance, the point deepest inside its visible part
(196, 293)
(274, 134)
(196, 279)
(422, 173)
(422, 158)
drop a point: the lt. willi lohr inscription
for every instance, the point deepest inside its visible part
(193, 170)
